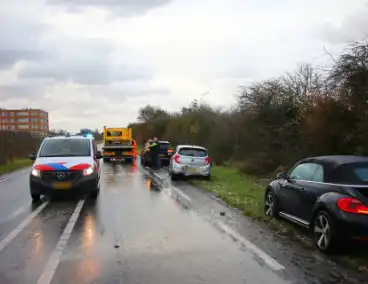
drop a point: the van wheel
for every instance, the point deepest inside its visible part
(35, 197)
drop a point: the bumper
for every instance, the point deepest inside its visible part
(83, 185)
(191, 171)
(356, 226)
(117, 153)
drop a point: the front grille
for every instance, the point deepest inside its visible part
(58, 175)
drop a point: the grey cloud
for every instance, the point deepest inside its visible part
(85, 73)
(354, 27)
(19, 40)
(29, 89)
(125, 7)
(84, 62)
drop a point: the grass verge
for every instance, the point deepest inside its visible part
(246, 193)
(16, 165)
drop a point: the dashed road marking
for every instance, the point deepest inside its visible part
(22, 225)
(272, 263)
(54, 259)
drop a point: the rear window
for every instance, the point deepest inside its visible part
(354, 173)
(192, 152)
(164, 146)
(65, 148)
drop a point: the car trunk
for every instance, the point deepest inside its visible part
(193, 157)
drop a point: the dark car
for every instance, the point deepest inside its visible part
(68, 164)
(165, 153)
(328, 195)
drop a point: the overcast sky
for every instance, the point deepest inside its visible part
(91, 63)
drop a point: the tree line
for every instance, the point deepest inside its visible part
(307, 112)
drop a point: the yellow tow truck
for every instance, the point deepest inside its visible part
(118, 144)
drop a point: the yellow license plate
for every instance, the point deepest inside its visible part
(62, 185)
(109, 153)
(193, 170)
(127, 153)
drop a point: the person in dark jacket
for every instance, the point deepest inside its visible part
(155, 153)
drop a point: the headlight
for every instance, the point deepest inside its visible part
(88, 171)
(35, 172)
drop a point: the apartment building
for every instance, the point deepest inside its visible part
(30, 120)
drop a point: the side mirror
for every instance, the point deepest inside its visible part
(282, 176)
(32, 156)
(98, 155)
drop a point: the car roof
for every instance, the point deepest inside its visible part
(336, 160)
(191, 146)
(334, 163)
(167, 142)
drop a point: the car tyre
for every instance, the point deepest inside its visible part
(325, 235)
(208, 178)
(174, 177)
(270, 205)
(35, 197)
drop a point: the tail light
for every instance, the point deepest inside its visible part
(177, 159)
(352, 205)
(207, 161)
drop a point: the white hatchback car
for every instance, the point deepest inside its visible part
(190, 160)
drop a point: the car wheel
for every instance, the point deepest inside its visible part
(35, 197)
(324, 232)
(94, 194)
(208, 177)
(174, 177)
(270, 205)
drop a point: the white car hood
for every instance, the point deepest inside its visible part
(63, 163)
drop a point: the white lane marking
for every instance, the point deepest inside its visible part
(4, 179)
(182, 194)
(15, 213)
(22, 225)
(52, 264)
(272, 263)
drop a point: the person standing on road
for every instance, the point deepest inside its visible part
(154, 149)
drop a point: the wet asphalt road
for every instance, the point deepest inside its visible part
(134, 233)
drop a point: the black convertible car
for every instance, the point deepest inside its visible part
(328, 195)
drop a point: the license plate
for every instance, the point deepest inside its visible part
(62, 185)
(192, 170)
(109, 153)
(127, 153)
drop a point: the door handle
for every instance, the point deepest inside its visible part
(301, 189)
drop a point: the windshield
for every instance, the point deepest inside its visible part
(354, 174)
(192, 152)
(114, 133)
(65, 148)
